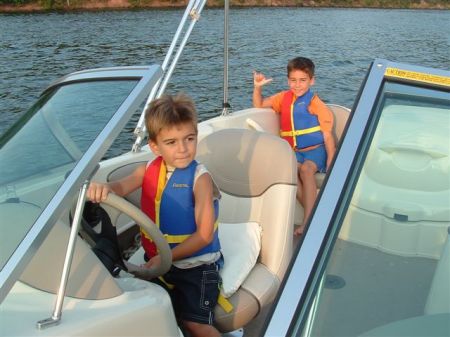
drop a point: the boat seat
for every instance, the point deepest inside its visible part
(255, 187)
(269, 122)
(341, 115)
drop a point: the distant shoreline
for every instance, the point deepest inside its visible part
(95, 5)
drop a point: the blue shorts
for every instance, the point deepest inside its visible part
(195, 292)
(318, 156)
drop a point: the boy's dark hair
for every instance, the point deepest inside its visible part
(169, 111)
(303, 64)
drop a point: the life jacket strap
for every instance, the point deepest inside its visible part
(224, 303)
(299, 132)
(180, 238)
(169, 286)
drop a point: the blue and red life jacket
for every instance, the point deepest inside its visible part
(299, 127)
(171, 206)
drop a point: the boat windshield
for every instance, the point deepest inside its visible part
(394, 231)
(56, 145)
(381, 227)
(60, 129)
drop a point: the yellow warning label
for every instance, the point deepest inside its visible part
(418, 77)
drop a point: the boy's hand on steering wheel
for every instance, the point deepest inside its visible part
(97, 192)
(155, 261)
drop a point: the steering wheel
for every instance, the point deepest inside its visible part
(121, 205)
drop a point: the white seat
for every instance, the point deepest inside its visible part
(341, 115)
(266, 120)
(256, 173)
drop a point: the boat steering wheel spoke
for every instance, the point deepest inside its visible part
(144, 222)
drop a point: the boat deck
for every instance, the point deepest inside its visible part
(396, 288)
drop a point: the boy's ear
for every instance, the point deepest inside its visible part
(313, 80)
(154, 147)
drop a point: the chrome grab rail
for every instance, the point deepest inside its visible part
(195, 16)
(193, 10)
(57, 312)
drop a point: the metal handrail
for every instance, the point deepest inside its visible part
(193, 10)
(57, 311)
(195, 16)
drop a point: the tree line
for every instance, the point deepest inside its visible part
(74, 4)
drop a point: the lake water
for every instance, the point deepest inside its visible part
(35, 49)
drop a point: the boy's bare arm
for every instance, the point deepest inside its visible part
(330, 147)
(204, 217)
(97, 192)
(259, 80)
(326, 121)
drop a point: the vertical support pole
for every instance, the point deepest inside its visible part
(57, 312)
(226, 106)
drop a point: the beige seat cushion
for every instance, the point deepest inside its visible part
(257, 175)
(246, 163)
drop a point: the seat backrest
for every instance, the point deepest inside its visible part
(256, 173)
(257, 176)
(341, 115)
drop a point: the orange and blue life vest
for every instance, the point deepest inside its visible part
(171, 206)
(299, 127)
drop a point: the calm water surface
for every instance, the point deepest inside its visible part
(35, 49)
